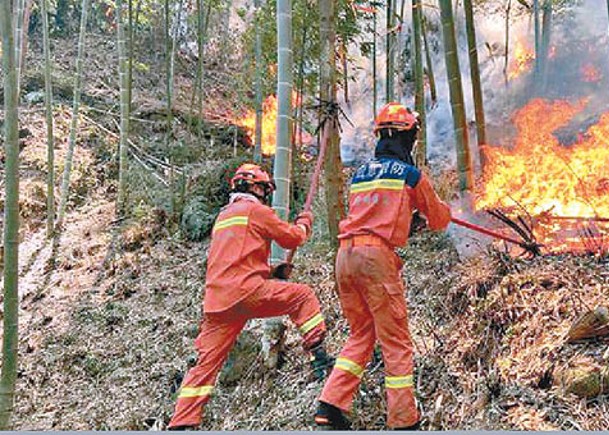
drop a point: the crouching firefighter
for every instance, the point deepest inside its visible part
(384, 193)
(238, 287)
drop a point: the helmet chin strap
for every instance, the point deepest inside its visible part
(265, 197)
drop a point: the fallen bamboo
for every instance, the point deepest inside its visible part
(578, 218)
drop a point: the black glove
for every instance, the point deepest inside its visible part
(282, 271)
(418, 223)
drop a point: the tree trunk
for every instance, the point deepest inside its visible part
(258, 131)
(545, 43)
(301, 85)
(507, 40)
(283, 152)
(65, 183)
(421, 153)
(20, 12)
(453, 71)
(130, 55)
(196, 102)
(48, 101)
(390, 42)
(11, 220)
(123, 74)
(430, 74)
(274, 328)
(474, 69)
(537, 37)
(374, 72)
(332, 165)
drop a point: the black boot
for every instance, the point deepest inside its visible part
(181, 428)
(321, 362)
(415, 426)
(330, 417)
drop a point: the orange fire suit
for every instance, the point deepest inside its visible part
(384, 192)
(237, 289)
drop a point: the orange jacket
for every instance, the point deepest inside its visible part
(240, 247)
(384, 192)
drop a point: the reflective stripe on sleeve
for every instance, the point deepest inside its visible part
(204, 390)
(399, 381)
(230, 222)
(311, 323)
(349, 366)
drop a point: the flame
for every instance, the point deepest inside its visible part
(590, 73)
(548, 179)
(269, 123)
(522, 60)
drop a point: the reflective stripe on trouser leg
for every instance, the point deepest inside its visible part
(401, 403)
(395, 382)
(215, 340)
(349, 366)
(189, 405)
(276, 298)
(317, 321)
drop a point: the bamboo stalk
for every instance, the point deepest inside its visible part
(48, 100)
(474, 69)
(283, 150)
(10, 338)
(65, 184)
(421, 153)
(258, 49)
(430, 74)
(453, 71)
(123, 73)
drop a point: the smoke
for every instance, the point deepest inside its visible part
(579, 42)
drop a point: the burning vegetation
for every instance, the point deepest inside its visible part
(269, 124)
(560, 186)
(522, 60)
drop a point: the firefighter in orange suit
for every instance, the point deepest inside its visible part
(238, 287)
(383, 195)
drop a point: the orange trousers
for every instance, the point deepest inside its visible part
(372, 298)
(219, 331)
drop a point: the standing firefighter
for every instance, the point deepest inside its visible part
(384, 193)
(238, 287)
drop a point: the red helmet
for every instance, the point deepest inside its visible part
(249, 174)
(394, 115)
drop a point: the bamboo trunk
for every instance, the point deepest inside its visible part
(65, 183)
(274, 329)
(421, 153)
(332, 165)
(258, 131)
(546, 37)
(453, 71)
(10, 336)
(507, 40)
(389, 71)
(474, 69)
(374, 72)
(123, 74)
(537, 36)
(48, 101)
(19, 17)
(283, 152)
(430, 74)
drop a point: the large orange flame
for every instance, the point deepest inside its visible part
(269, 123)
(522, 60)
(544, 177)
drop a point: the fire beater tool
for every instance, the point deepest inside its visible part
(283, 270)
(529, 245)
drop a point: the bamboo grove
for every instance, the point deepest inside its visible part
(287, 48)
